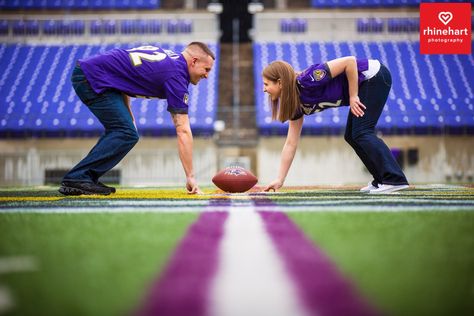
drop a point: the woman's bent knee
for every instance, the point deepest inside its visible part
(348, 138)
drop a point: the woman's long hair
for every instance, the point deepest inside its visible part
(285, 107)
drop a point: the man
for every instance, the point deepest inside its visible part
(105, 83)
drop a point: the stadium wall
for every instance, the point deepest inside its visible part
(152, 162)
(331, 161)
(321, 160)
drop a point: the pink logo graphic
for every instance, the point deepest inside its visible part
(445, 17)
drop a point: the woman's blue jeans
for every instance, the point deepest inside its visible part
(120, 133)
(360, 131)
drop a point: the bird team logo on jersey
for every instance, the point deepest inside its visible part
(319, 74)
(186, 98)
(445, 28)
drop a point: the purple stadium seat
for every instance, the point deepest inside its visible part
(3, 27)
(109, 27)
(285, 25)
(95, 27)
(185, 26)
(154, 26)
(172, 26)
(18, 27)
(51, 27)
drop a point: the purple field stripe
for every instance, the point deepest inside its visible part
(182, 289)
(323, 290)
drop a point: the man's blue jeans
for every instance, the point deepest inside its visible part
(360, 131)
(120, 133)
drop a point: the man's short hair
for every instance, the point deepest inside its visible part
(203, 47)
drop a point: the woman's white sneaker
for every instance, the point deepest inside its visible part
(388, 188)
(368, 188)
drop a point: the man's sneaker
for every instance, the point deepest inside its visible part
(112, 189)
(368, 188)
(388, 188)
(78, 188)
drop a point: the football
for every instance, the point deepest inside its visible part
(234, 179)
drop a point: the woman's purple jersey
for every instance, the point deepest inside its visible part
(319, 90)
(146, 71)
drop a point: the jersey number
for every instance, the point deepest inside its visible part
(324, 105)
(138, 56)
(318, 107)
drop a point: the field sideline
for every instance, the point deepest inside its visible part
(410, 253)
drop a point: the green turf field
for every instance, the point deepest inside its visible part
(87, 264)
(411, 253)
(410, 263)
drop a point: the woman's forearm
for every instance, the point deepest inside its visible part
(287, 155)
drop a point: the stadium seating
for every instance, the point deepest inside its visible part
(430, 94)
(63, 27)
(293, 25)
(103, 27)
(78, 4)
(96, 27)
(393, 25)
(370, 3)
(403, 25)
(3, 27)
(37, 99)
(370, 25)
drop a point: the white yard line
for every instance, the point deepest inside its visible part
(251, 278)
(293, 206)
(13, 265)
(18, 264)
(376, 209)
(6, 300)
(152, 208)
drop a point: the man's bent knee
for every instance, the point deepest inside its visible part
(130, 136)
(133, 137)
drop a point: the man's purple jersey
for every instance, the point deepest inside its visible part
(319, 90)
(146, 71)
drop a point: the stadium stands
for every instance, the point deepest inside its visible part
(293, 25)
(370, 25)
(79, 4)
(403, 25)
(392, 25)
(103, 27)
(370, 3)
(38, 100)
(95, 27)
(431, 94)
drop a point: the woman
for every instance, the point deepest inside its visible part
(360, 83)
